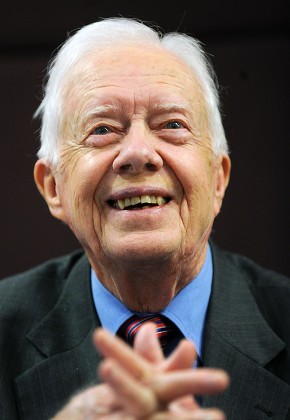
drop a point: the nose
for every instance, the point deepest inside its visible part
(138, 152)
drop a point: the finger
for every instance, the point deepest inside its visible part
(113, 347)
(134, 397)
(95, 401)
(171, 385)
(184, 403)
(200, 414)
(183, 357)
(147, 344)
(206, 414)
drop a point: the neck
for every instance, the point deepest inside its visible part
(148, 286)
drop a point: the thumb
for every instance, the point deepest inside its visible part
(147, 344)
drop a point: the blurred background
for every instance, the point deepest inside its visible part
(248, 42)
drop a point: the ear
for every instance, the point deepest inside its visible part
(44, 177)
(223, 177)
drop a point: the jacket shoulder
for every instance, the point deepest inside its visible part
(58, 265)
(270, 289)
(40, 285)
(254, 273)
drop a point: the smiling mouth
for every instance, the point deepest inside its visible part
(139, 202)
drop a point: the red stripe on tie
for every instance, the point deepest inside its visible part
(166, 331)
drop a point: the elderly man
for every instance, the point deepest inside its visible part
(134, 160)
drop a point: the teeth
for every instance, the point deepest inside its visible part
(121, 204)
(143, 199)
(135, 200)
(160, 201)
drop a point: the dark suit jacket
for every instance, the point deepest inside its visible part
(47, 317)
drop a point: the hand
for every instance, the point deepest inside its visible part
(141, 384)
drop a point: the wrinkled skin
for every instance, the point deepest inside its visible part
(135, 124)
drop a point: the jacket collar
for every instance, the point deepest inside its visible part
(234, 315)
(72, 318)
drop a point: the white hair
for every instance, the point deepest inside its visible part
(103, 34)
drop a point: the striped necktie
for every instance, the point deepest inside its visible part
(166, 330)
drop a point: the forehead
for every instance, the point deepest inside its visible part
(148, 73)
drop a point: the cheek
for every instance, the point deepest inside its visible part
(78, 186)
(197, 180)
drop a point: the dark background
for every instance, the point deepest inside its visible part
(249, 46)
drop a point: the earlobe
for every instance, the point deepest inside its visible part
(44, 178)
(223, 177)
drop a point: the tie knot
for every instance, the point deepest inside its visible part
(166, 330)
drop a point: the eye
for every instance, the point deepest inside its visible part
(101, 130)
(173, 125)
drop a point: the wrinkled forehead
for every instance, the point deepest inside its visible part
(134, 61)
(133, 78)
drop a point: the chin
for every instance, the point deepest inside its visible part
(153, 251)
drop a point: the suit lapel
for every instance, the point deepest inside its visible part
(238, 339)
(64, 337)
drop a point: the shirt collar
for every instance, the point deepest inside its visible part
(187, 309)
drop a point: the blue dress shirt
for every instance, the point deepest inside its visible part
(187, 309)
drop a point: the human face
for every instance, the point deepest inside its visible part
(135, 125)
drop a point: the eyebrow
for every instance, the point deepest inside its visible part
(172, 107)
(159, 107)
(100, 109)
